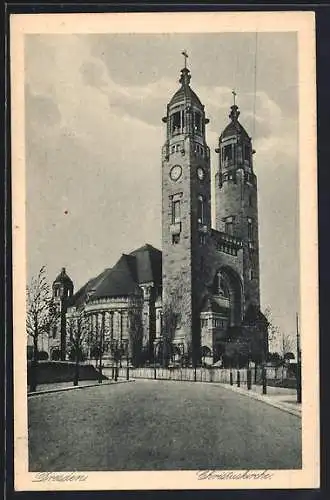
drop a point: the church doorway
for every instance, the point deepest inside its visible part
(227, 290)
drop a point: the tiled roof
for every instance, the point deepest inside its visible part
(140, 266)
(80, 296)
(148, 264)
(63, 278)
(234, 128)
(121, 281)
(185, 92)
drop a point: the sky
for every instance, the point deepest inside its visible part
(93, 132)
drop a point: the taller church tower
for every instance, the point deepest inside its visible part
(210, 277)
(186, 212)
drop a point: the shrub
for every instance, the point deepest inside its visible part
(55, 355)
(72, 355)
(42, 355)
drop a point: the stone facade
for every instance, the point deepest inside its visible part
(202, 292)
(197, 258)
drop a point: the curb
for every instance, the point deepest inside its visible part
(72, 388)
(263, 398)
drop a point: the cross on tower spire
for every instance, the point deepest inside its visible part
(185, 55)
(234, 95)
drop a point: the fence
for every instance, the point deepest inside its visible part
(220, 375)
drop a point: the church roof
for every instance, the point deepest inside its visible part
(234, 127)
(185, 92)
(121, 281)
(80, 296)
(63, 278)
(149, 264)
(140, 266)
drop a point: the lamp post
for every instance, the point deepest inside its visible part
(163, 352)
(264, 379)
(127, 359)
(116, 359)
(112, 350)
(155, 373)
(249, 371)
(101, 350)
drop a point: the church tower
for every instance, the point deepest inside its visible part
(237, 202)
(186, 214)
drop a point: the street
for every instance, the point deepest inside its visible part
(145, 425)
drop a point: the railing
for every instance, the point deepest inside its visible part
(226, 238)
(220, 375)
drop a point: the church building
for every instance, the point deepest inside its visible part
(201, 293)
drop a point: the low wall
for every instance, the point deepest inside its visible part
(61, 371)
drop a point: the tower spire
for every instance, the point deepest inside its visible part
(234, 113)
(234, 96)
(185, 73)
(185, 55)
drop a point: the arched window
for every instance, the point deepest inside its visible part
(54, 331)
(200, 210)
(228, 153)
(197, 123)
(206, 351)
(250, 229)
(229, 228)
(246, 152)
(176, 211)
(176, 123)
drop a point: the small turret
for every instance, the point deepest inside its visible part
(62, 291)
(62, 286)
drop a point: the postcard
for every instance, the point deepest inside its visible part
(165, 274)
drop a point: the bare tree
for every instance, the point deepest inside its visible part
(172, 317)
(41, 315)
(78, 333)
(274, 332)
(99, 346)
(282, 340)
(286, 343)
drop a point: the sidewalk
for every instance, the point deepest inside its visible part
(279, 397)
(68, 386)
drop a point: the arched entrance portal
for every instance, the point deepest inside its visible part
(221, 310)
(227, 285)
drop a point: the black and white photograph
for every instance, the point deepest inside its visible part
(165, 251)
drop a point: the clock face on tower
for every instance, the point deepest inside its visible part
(175, 172)
(200, 173)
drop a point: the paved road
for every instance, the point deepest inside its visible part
(160, 425)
